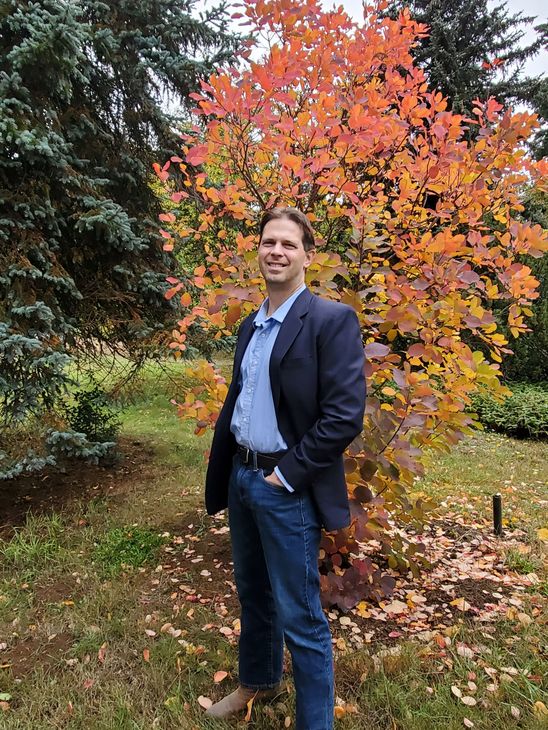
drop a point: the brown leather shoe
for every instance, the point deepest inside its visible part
(236, 702)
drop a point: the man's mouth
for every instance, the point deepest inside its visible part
(273, 265)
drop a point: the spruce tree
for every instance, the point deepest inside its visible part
(84, 87)
(474, 50)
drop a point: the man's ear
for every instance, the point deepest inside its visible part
(309, 257)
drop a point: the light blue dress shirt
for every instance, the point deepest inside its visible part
(254, 422)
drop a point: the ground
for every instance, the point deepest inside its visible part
(118, 608)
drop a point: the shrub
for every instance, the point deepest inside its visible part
(93, 415)
(523, 415)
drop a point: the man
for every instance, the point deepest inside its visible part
(295, 403)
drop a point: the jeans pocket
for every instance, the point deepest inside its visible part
(269, 484)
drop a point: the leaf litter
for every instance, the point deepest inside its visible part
(468, 581)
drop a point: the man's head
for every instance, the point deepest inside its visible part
(286, 247)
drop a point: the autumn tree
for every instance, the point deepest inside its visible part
(475, 50)
(418, 232)
(83, 91)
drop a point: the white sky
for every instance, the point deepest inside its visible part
(538, 8)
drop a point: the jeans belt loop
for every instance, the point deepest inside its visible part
(255, 467)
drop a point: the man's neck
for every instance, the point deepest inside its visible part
(276, 297)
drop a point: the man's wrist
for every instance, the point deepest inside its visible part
(274, 479)
(281, 479)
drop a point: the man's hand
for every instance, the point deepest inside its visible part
(274, 480)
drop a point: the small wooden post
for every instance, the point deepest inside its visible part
(497, 514)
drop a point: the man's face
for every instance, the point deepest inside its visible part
(282, 258)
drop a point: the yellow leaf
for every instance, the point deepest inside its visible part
(540, 710)
(461, 604)
(542, 534)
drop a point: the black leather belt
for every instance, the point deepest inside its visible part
(258, 460)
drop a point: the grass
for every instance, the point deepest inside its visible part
(79, 590)
(37, 545)
(489, 463)
(126, 547)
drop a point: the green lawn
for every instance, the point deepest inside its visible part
(103, 625)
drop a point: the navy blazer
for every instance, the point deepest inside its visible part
(318, 386)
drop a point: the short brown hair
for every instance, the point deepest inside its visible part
(295, 215)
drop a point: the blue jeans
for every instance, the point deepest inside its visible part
(275, 541)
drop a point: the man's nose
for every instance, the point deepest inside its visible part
(277, 249)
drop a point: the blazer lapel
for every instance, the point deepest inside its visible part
(290, 328)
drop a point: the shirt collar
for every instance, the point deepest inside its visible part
(280, 314)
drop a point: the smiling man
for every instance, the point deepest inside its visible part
(295, 403)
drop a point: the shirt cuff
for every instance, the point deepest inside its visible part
(280, 476)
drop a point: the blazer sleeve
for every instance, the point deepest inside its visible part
(341, 393)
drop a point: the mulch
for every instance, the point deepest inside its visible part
(53, 489)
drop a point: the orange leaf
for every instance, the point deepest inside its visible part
(249, 708)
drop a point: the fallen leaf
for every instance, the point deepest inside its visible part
(540, 710)
(469, 701)
(514, 711)
(468, 723)
(396, 607)
(287, 722)
(461, 604)
(465, 651)
(456, 691)
(219, 676)
(4, 706)
(205, 702)
(542, 534)
(102, 652)
(146, 655)
(249, 709)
